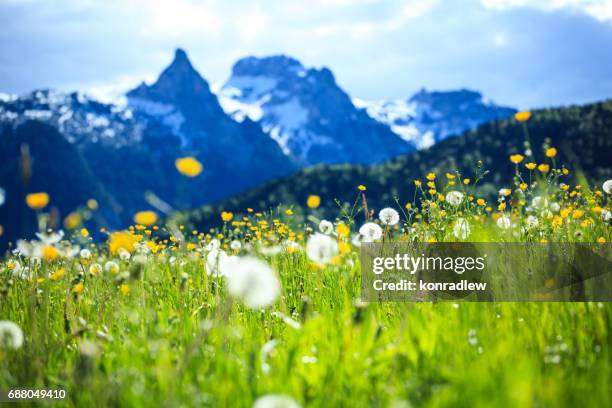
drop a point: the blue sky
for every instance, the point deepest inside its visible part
(525, 53)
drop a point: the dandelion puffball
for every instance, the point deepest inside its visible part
(388, 216)
(11, 335)
(252, 281)
(370, 232)
(454, 197)
(214, 262)
(321, 248)
(607, 186)
(503, 222)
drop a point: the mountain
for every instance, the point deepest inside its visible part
(582, 135)
(429, 117)
(119, 152)
(303, 109)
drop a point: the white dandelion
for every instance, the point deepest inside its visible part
(554, 207)
(461, 229)
(607, 186)
(11, 335)
(85, 254)
(326, 227)
(606, 215)
(124, 254)
(503, 222)
(454, 197)
(370, 232)
(531, 222)
(252, 281)
(235, 245)
(388, 216)
(111, 267)
(275, 401)
(212, 245)
(539, 203)
(50, 238)
(321, 248)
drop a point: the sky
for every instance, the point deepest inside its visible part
(523, 53)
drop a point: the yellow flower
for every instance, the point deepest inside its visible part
(417, 183)
(408, 206)
(432, 191)
(466, 181)
(601, 240)
(431, 176)
(523, 186)
(343, 230)
(505, 192)
(92, 204)
(361, 187)
(72, 221)
(551, 152)
(450, 176)
(145, 218)
(451, 183)
(530, 165)
(313, 201)
(227, 216)
(543, 168)
(37, 201)
(57, 274)
(124, 289)
(121, 240)
(481, 201)
(84, 232)
(289, 211)
(516, 158)
(565, 172)
(344, 248)
(50, 253)
(188, 166)
(431, 184)
(501, 206)
(78, 288)
(564, 187)
(577, 214)
(522, 116)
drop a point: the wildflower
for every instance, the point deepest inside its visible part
(227, 216)
(543, 168)
(361, 187)
(601, 240)
(523, 186)
(522, 116)
(501, 206)
(235, 245)
(503, 222)
(72, 221)
(431, 176)
(516, 158)
(78, 288)
(450, 176)
(577, 214)
(252, 281)
(370, 232)
(188, 166)
(111, 267)
(121, 240)
(531, 222)
(95, 269)
(466, 181)
(321, 248)
(326, 227)
(343, 230)
(454, 197)
(85, 254)
(11, 335)
(49, 253)
(84, 232)
(505, 192)
(124, 289)
(289, 211)
(275, 401)
(461, 229)
(92, 204)
(551, 152)
(481, 201)
(606, 215)
(388, 216)
(530, 166)
(313, 201)
(344, 248)
(145, 218)
(417, 183)
(37, 201)
(607, 186)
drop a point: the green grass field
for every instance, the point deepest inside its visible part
(147, 319)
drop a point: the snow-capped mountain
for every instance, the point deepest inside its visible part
(428, 117)
(303, 109)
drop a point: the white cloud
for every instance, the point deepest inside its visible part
(601, 10)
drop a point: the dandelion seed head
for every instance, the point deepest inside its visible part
(389, 216)
(454, 197)
(370, 231)
(321, 248)
(11, 335)
(251, 280)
